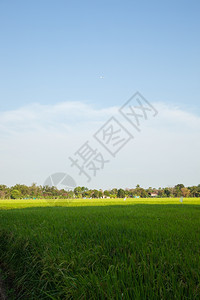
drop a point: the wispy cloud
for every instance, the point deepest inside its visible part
(61, 116)
(36, 141)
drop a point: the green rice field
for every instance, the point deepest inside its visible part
(100, 248)
(7, 204)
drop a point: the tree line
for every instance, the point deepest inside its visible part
(21, 191)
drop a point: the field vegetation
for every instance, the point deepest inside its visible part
(101, 249)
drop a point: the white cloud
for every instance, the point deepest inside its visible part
(36, 141)
(61, 116)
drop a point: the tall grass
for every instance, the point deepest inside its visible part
(104, 252)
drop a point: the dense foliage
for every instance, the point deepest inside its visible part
(21, 191)
(105, 252)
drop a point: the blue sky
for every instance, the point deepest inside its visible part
(67, 66)
(54, 51)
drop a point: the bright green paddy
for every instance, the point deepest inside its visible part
(101, 249)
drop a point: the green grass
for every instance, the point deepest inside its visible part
(102, 252)
(10, 204)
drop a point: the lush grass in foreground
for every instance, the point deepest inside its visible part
(104, 252)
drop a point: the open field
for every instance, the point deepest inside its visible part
(97, 250)
(10, 204)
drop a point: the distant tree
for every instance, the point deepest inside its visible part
(15, 194)
(160, 192)
(87, 194)
(79, 192)
(194, 191)
(120, 193)
(167, 192)
(4, 191)
(139, 191)
(2, 194)
(107, 193)
(177, 190)
(113, 193)
(129, 193)
(179, 186)
(185, 192)
(143, 193)
(48, 192)
(33, 190)
(95, 194)
(71, 195)
(100, 194)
